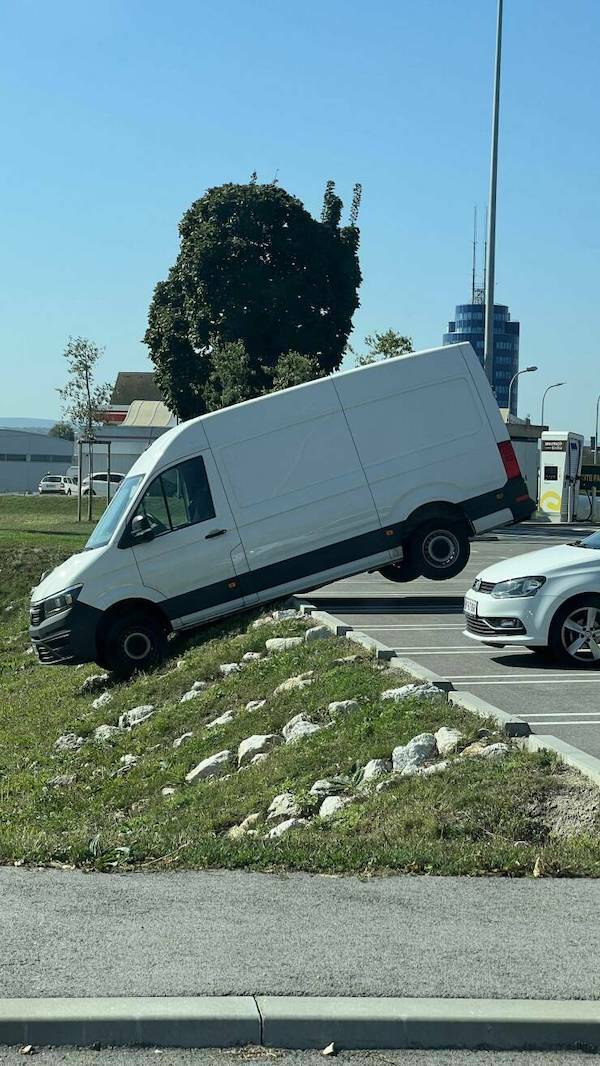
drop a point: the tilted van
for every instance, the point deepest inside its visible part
(389, 467)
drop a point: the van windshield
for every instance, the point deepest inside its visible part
(114, 512)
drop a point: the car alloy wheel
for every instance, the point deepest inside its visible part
(580, 634)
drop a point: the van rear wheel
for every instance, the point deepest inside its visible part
(135, 642)
(439, 549)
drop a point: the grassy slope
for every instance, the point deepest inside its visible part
(477, 817)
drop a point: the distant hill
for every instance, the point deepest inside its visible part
(41, 425)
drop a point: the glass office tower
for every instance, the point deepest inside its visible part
(469, 325)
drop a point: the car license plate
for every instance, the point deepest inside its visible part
(470, 606)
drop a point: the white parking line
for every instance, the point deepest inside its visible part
(546, 675)
(538, 681)
(569, 721)
(408, 625)
(559, 714)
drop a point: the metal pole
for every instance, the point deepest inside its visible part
(595, 461)
(91, 478)
(525, 370)
(488, 350)
(79, 470)
(108, 473)
(554, 386)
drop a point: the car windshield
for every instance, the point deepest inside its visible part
(593, 541)
(114, 512)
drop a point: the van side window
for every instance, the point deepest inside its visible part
(178, 497)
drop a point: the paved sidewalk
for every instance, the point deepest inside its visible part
(222, 933)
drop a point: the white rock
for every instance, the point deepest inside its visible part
(286, 615)
(435, 768)
(127, 763)
(259, 758)
(251, 656)
(255, 705)
(283, 806)
(136, 716)
(257, 744)
(245, 828)
(229, 668)
(332, 805)
(387, 784)
(199, 686)
(317, 633)
(346, 659)
(102, 700)
(447, 740)
(283, 643)
(266, 620)
(93, 683)
(105, 733)
(495, 751)
(329, 787)
(426, 691)
(284, 827)
(342, 707)
(213, 766)
(223, 719)
(292, 683)
(167, 791)
(376, 768)
(182, 739)
(299, 726)
(68, 742)
(62, 781)
(415, 753)
(180, 664)
(191, 695)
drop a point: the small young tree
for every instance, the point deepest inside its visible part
(63, 430)
(383, 346)
(82, 398)
(294, 369)
(231, 376)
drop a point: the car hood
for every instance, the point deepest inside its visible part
(72, 572)
(560, 560)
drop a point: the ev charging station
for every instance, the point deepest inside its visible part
(560, 472)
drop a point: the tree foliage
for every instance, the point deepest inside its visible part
(231, 377)
(63, 430)
(253, 268)
(293, 368)
(82, 399)
(385, 345)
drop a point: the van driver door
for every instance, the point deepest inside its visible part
(186, 543)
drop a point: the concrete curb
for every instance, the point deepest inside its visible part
(206, 1021)
(301, 1023)
(510, 724)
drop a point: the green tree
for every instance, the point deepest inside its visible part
(383, 346)
(231, 376)
(295, 369)
(82, 398)
(64, 430)
(253, 267)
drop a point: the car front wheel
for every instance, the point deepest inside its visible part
(135, 642)
(575, 632)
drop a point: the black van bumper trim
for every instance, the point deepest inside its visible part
(69, 638)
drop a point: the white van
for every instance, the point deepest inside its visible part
(388, 467)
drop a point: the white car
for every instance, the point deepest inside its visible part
(544, 600)
(57, 483)
(99, 484)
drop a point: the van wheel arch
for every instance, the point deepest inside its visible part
(146, 607)
(439, 509)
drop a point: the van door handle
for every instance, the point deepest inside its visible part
(215, 533)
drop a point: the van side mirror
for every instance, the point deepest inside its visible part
(141, 529)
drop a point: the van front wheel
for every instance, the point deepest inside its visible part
(439, 549)
(400, 572)
(134, 642)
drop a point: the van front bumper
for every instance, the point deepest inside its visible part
(69, 637)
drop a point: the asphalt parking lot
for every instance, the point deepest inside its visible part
(424, 621)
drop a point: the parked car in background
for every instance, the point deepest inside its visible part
(57, 483)
(99, 483)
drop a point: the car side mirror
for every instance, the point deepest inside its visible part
(141, 529)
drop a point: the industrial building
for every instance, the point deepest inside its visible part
(25, 458)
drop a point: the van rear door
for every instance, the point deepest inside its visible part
(195, 558)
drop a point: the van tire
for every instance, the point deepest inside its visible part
(399, 572)
(135, 642)
(439, 549)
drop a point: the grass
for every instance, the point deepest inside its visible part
(477, 817)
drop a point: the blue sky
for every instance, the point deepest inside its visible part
(116, 115)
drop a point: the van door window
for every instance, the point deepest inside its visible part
(178, 497)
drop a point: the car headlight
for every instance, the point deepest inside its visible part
(518, 586)
(62, 602)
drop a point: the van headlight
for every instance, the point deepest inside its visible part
(61, 602)
(518, 586)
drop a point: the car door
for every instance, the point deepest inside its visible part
(195, 558)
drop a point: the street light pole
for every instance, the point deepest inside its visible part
(595, 461)
(554, 386)
(526, 370)
(488, 349)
